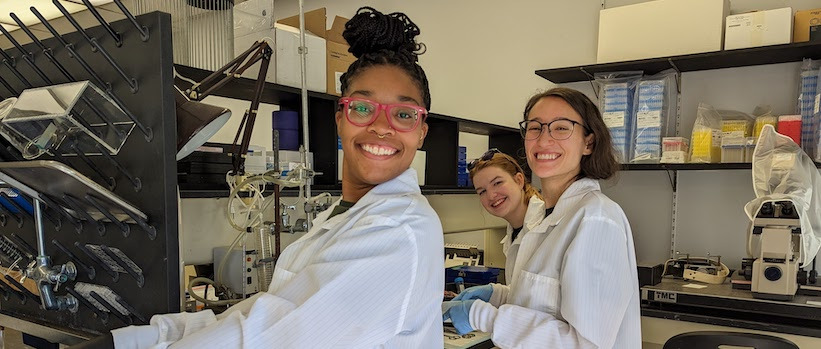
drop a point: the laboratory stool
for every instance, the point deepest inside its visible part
(713, 339)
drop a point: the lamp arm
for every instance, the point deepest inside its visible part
(230, 70)
(250, 115)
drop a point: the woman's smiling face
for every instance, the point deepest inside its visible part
(377, 153)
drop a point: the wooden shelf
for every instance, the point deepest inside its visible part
(693, 62)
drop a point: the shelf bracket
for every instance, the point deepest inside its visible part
(590, 79)
(678, 74)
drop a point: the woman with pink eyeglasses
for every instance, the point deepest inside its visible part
(370, 272)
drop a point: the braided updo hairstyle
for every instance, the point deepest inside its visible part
(380, 39)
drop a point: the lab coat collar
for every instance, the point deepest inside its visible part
(404, 184)
(570, 199)
(533, 216)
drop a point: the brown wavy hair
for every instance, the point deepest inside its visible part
(601, 163)
(509, 165)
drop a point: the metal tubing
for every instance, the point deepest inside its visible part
(134, 180)
(137, 276)
(114, 275)
(38, 227)
(143, 30)
(303, 64)
(89, 269)
(100, 314)
(99, 206)
(118, 40)
(111, 308)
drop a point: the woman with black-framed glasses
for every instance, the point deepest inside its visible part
(573, 282)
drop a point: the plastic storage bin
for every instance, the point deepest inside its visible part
(675, 150)
(69, 118)
(733, 150)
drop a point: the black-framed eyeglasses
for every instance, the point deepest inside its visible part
(485, 157)
(559, 129)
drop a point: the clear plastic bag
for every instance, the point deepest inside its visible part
(617, 92)
(782, 171)
(705, 143)
(655, 113)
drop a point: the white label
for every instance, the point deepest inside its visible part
(783, 161)
(716, 138)
(648, 119)
(733, 134)
(338, 82)
(817, 103)
(663, 296)
(674, 157)
(613, 119)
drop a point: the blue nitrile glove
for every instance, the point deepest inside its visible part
(459, 313)
(476, 292)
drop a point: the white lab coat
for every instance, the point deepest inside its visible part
(574, 282)
(371, 277)
(533, 216)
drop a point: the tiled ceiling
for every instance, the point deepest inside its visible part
(45, 7)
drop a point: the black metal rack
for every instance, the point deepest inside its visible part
(147, 158)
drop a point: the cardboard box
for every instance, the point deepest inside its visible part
(759, 28)
(288, 59)
(661, 28)
(806, 22)
(337, 56)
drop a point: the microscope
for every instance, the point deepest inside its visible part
(775, 269)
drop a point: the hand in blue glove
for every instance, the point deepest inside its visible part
(476, 292)
(459, 313)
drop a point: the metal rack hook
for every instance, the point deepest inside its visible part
(142, 29)
(118, 40)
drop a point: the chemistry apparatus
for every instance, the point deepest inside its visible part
(246, 202)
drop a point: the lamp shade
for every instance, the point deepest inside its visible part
(196, 123)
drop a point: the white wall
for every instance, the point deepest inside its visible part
(481, 57)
